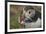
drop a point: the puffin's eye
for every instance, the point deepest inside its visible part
(29, 12)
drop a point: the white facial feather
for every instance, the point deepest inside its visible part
(31, 14)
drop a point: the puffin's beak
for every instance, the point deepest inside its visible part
(22, 18)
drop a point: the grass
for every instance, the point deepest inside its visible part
(14, 24)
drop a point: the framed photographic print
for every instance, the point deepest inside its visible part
(22, 16)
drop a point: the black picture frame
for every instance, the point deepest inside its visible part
(24, 2)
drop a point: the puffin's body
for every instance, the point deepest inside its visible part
(32, 18)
